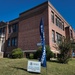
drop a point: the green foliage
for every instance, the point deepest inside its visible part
(73, 44)
(65, 51)
(49, 53)
(31, 56)
(17, 53)
(38, 53)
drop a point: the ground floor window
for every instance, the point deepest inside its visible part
(9, 43)
(73, 53)
(14, 41)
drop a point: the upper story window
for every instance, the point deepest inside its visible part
(2, 30)
(52, 16)
(13, 28)
(10, 29)
(59, 23)
(53, 35)
(71, 35)
(9, 42)
(63, 25)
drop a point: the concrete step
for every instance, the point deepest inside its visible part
(1, 54)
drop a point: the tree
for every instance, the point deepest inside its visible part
(65, 48)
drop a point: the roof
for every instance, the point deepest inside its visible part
(2, 24)
(34, 7)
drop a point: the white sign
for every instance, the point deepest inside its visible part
(34, 66)
(39, 44)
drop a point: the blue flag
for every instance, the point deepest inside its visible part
(43, 56)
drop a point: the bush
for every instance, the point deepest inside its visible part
(17, 53)
(65, 51)
(37, 54)
(31, 56)
(49, 53)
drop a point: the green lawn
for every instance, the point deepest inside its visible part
(18, 67)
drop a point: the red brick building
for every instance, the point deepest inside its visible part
(23, 32)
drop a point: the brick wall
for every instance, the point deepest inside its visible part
(29, 34)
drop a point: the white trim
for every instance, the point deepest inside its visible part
(29, 50)
(55, 51)
(26, 51)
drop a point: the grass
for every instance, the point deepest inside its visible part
(19, 67)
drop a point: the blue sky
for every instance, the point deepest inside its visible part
(10, 9)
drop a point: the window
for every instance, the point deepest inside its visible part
(71, 34)
(63, 25)
(59, 23)
(3, 31)
(56, 22)
(58, 37)
(52, 16)
(9, 29)
(14, 41)
(53, 35)
(15, 27)
(9, 42)
(73, 53)
(0, 30)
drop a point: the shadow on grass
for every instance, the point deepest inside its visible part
(20, 68)
(24, 70)
(56, 61)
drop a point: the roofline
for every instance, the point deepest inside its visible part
(49, 3)
(34, 7)
(13, 20)
(3, 26)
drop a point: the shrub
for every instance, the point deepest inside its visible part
(17, 53)
(31, 56)
(49, 53)
(65, 51)
(38, 53)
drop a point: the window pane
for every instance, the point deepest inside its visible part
(14, 41)
(9, 42)
(9, 29)
(3, 30)
(59, 23)
(0, 30)
(53, 35)
(15, 28)
(58, 37)
(52, 17)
